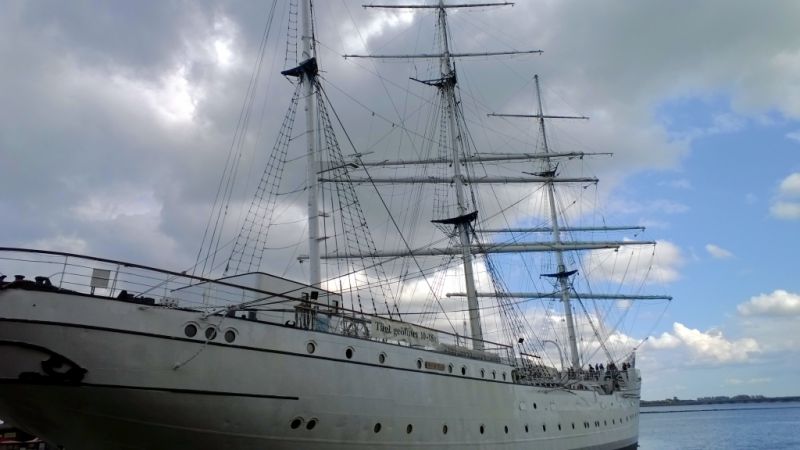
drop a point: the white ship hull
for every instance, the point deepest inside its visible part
(148, 386)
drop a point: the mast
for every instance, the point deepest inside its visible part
(312, 185)
(463, 226)
(561, 274)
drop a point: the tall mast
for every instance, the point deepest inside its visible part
(562, 274)
(448, 87)
(312, 185)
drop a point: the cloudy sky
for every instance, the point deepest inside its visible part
(116, 118)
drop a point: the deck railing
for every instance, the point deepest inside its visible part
(294, 304)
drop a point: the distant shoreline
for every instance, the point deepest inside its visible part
(718, 401)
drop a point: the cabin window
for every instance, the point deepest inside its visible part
(349, 353)
(409, 429)
(504, 376)
(450, 368)
(544, 428)
(444, 429)
(311, 347)
(494, 375)
(296, 422)
(211, 333)
(534, 405)
(559, 427)
(311, 424)
(506, 429)
(463, 370)
(419, 364)
(382, 358)
(190, 330)
(483, 429)
(230, 336)
(483, 373)
(377, 427)
(526, 428)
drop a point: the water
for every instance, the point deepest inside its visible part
(734, 426)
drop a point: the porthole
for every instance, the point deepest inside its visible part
(419, 364)
(544, 428)
(230, 336)
(311, 424)
(559, 427)
(311, 347)
(377, 427)
(605, 423)
(573, 425)
(349, 353)
(494, 375)
(211, 333)
(526, 428)
(382, 358)
(296, 422)
(504, 376)
(444, 429)
(190, 330)
(483, 429)
(409, 429)
(613, 421)
(449, 368)
(506, 429)
(534, 405)
(483, 373)
(463, 370)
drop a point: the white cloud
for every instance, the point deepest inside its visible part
(790, 186)
(664, 341)
(718, 252)
(794, 135)
(777, 303)
(681, 183)
(786, 205)
(785, 210)
(706, 346)
(739, 381)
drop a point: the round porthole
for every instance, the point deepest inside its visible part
(483, 429)
(526, 428)
(348, 353)
(211, 333)
(559, 427)
(504, 376)
(382, 358)
(190, 330)
(377, 427)
(444, 429)
(534, 405)
(506, 429)
(296, 422)
(409, 429)
(230, 336)
(463, 370)
(544, 427)
(311, 424)
(450, 368)
(494, 375)
(311, 347)
(483, 373)
(419, 364)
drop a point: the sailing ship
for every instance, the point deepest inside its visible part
(105, 354)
